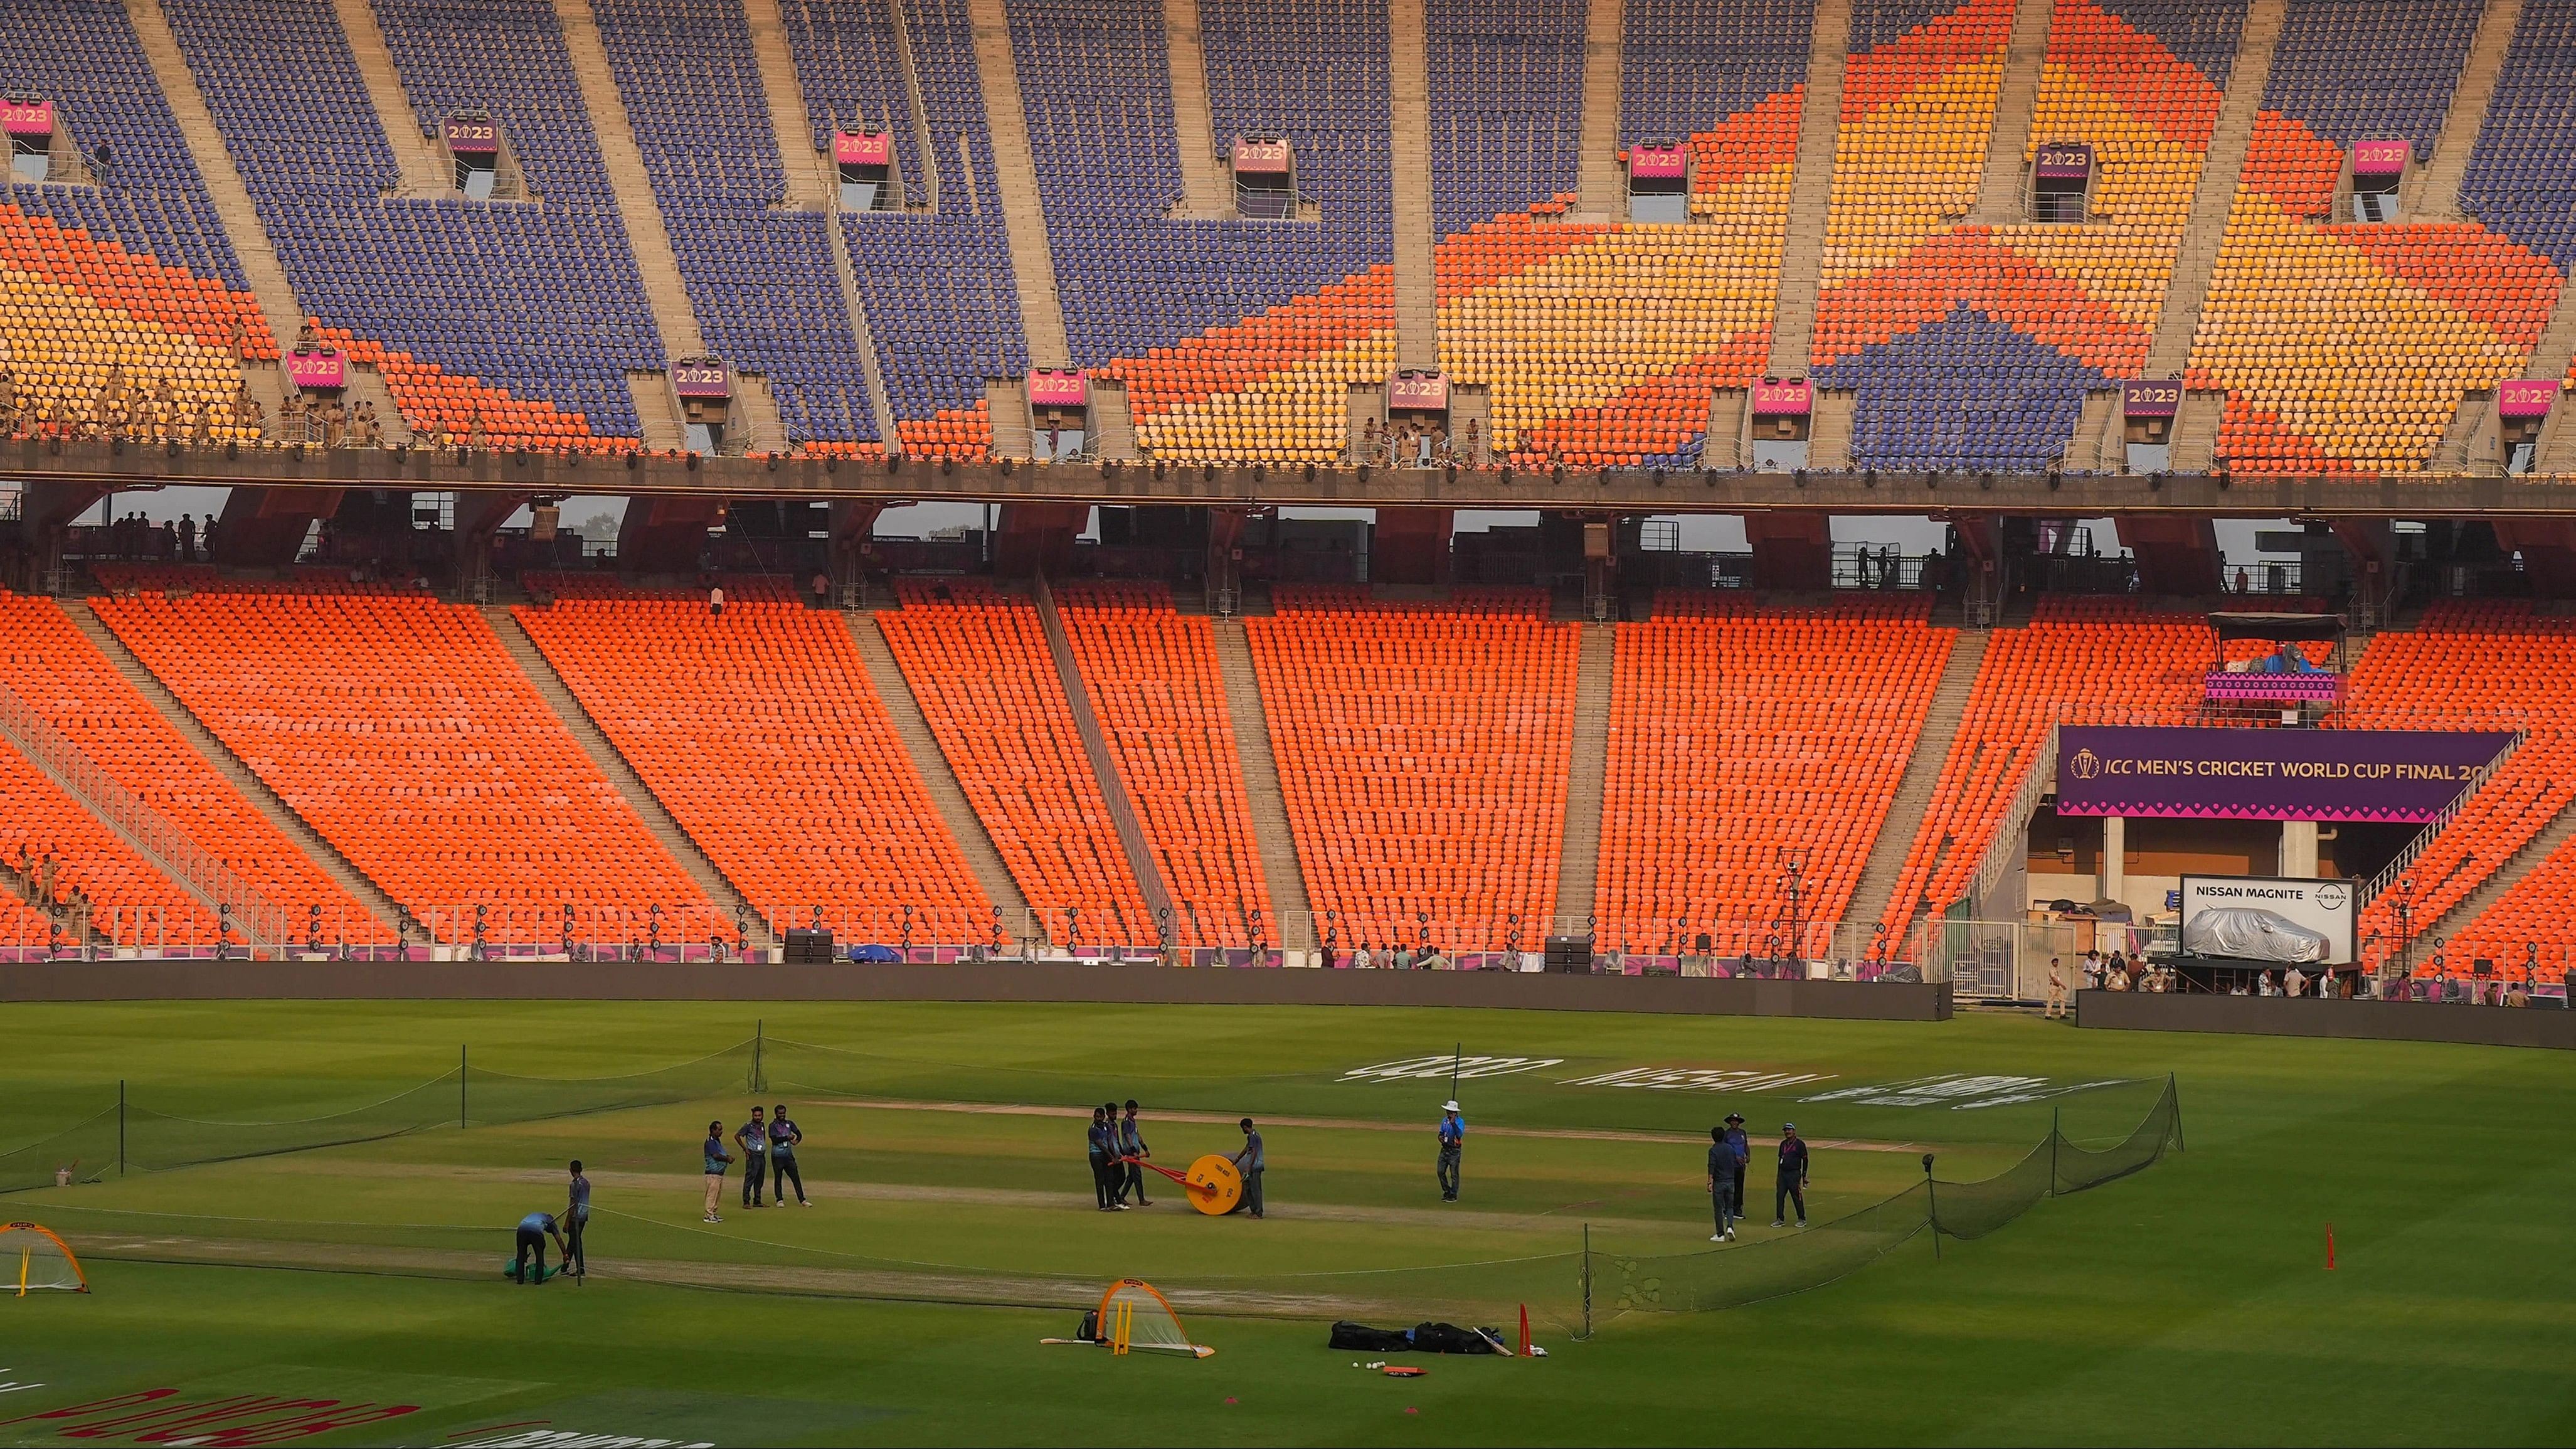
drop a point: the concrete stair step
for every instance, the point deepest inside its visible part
(1793, 326)
(1578, 866)
(1599, 184)
(1872, 898)
(2432, 192)
(425, 165)
(1281, 870)
(622, 774)
(919, 742)
(636, 206)
(1205, 187)
(1417, 343)
(2216, 194)
(2001, 190)
(1032, 265)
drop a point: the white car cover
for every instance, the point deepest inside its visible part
(2252, 935)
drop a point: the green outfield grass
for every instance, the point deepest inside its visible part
(2189, 1302)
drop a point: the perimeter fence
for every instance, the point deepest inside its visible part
(1575, 1290)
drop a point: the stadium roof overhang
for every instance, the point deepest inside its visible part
(2277, 628)
(109, 466)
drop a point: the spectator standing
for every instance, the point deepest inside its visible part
(754, 1137)
(715, 600)
(1792, 1186)
(783, 1137)
(187, 538)
(717, 1160)
(1453, 1147)
(1250, 1163)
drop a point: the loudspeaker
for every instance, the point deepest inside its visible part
(809, 948)
(1571, 955)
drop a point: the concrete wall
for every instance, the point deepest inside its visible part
(668, 981)
(2536, 1026)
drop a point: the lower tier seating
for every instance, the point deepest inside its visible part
(1422, 754)
(1152, 674)
(1742, 738)
(400, 729)
(978, 661)
(759, 731)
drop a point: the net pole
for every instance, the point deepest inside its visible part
(2055, 1136)
(759, 1040)
(1932, 1206)
(120, 1126)
(1587, 1280)
(1457, 1057)
(460, 1085)
(2173, 1094)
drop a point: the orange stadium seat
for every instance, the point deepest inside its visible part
(1741, 737)
(56, 671)
(403, 731)
(1422, 757)
(978, 661)
(759, 731)
(1152, 675)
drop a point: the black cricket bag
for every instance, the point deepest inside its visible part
(1360, 1338)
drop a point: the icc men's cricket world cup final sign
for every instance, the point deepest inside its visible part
(2268, 774)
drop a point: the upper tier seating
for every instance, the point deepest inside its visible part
(978, 662)
(943, 308)
(1506, 82)
(399, 728)
(2521, 180)
(1422, 756)
(1153, 679)
(1685, 65)
(84, 56)
(2078, 659)
(59, 674)
(1743, 737)
(2444, 674)
(760, 733)
(759, 277)
(541, 297)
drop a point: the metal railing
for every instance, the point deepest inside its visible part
(2010, 842)
(2406, 858)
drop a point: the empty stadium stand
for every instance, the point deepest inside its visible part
(1422, 750)
(2078, 660)
(400, 728)
(978, 661)
(1744, 738)
(760, 733)
(48, 664)
(1152, 676)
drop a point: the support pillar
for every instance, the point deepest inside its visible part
(1223, 575)
(1410, 546)
(1792, 552)
(265, 527)
(2299, 849)
(1037, 536)
(2176, 554)
(479, 517)
(46, 514)
(853, 523)
(2115, 857)
(666, 533)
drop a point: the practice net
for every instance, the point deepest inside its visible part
(35, 1260)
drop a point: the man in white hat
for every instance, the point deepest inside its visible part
(1453, 1143)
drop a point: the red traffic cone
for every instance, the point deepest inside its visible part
(2329, 1247)
(1525, 1338)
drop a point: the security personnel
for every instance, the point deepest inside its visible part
(1792, 1186)
(1453, 1145)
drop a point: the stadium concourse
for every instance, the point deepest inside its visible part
(1393, 252)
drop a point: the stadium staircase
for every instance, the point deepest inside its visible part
(657, 411)
(2001, 190)
(1113, 423)
(2210, 204)
(425, 169)
(645, 232)
(2557, 350)
(1878, 880)
(2433, 191)
(1104, 766)
(1032, 265)
(1601, 190)
(925, 146)
(1578, 864)
(268, 284)
(2541, 846)
(1268, 807)
(621, 775)
(937, 777)
(755, 413)
(1417, 318)
(1204, 190)
(1006, 402)
(813, 184)
(1829, 434)
(1793, 322)
(321, 852)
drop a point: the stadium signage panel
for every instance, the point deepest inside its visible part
(314, 369)
(705, 379)
(1260, 158)
(1783, 399)
(2064, 161)
(472, 137)
(2525, 398)
(2218, 914)
(1421, 391)
(28, 118)
(2151, 397)
(1963, 1092)
(2381, 158)
(2185, 772)
(1658, 163)
(862, 148)
(1441, 1064)
(1051, 387)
